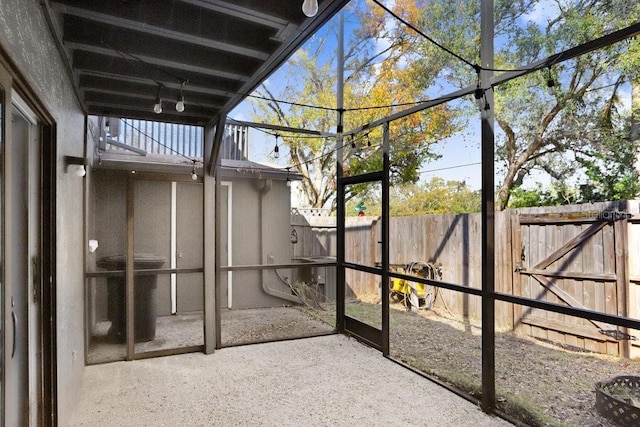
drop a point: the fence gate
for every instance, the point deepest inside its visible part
(576, 259)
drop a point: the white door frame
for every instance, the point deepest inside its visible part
(22, 358)
(229, 241)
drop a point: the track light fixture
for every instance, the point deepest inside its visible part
(310, 8)
(157, 108)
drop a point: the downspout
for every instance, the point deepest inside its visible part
(264, 188)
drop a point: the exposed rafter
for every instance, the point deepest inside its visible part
(119, 52)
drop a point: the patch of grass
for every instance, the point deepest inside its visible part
(524, 411)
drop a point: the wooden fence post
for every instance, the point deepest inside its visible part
(516, 264)
(622, 278)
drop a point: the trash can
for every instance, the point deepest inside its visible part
(144, 296)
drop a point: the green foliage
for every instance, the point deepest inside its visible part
(434, 197)
(577, 128)
(541, 129)
(554, 195)
(610, 170)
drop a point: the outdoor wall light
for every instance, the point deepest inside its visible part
(75, 164)
(310, 8)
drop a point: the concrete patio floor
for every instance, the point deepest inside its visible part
(322, 381)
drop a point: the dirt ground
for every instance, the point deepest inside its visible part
(537, 383)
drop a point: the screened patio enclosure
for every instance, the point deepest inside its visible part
(173, 241)
(266, 289)
(145, 287)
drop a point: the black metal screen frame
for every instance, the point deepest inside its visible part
(487, 290)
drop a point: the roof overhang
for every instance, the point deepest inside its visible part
(120, 53)
(234, 169)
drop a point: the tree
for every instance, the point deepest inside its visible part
(554, 195)
(611, 171)
(376, 80)
(558, 131)
(541, 127)
(434, 197)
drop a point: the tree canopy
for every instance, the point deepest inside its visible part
(568, 123)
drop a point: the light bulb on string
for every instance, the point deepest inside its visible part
(550, 81)
(180, 102)
(310, 8)
(276, 149)
(478, 94)
(288, 178)
(481, 101)
(157, 108)
(194, 175)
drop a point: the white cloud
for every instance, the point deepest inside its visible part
(542, 12)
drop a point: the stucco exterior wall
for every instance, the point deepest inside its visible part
(258, 237)
(25, 34)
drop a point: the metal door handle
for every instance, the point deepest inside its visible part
(14, 320)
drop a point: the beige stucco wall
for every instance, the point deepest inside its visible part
(257, 238)
(25, 34)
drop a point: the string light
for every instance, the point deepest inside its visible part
(480, 96)
(157, 108)
(194, 175)
(310, 8)
(288, 177)
(550, 81)
(180, 103)
(481, 100)
(276, 149)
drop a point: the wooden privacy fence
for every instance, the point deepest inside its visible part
(584, 256)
